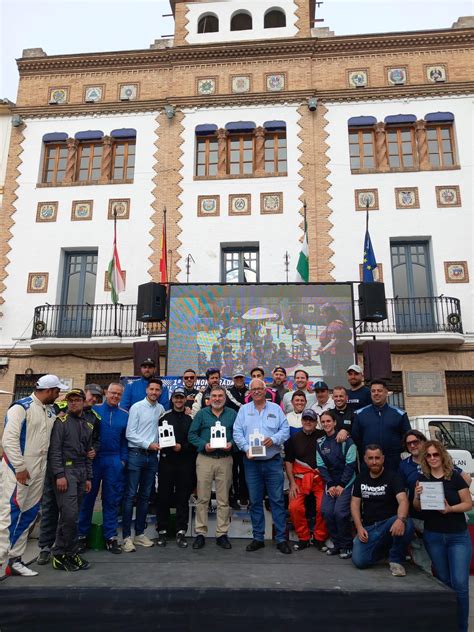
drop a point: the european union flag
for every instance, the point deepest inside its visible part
(370, 262)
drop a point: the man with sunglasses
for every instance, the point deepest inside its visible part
(189, 380)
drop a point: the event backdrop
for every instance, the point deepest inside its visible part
(237, 327)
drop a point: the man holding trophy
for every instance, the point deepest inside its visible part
(260, 430)
(211, 434)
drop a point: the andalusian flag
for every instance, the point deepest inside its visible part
(114, 273)
(302, 268)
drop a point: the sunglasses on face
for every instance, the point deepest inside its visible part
(414, 442)
(432, 455)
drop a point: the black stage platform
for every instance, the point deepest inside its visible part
(174, 589)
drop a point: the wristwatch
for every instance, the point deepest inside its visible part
(404, 520)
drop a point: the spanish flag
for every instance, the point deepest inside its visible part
(114, 272)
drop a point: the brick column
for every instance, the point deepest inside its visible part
(106, 167)
(422, 144)
(381, 153)
(70, 174)
(221, 152)
(260, 151)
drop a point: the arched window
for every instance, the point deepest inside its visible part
(241, 21)
(208, 24)
(274, 19)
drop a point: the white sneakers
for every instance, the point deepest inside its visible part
(143, 540)
(18, 568)
(397, 570)
(127, 546)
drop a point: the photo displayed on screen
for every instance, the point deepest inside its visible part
(237, 327)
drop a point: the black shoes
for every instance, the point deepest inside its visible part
(44, 557)
(223, 542)
(181, 539)
(113, 546)
(254, 546)
(81, 544)
(161, 538)
(79, 561)
(320, 545)
(333, 551)
(199, 542)
(63, 563)
(301, 545)
(284, 547)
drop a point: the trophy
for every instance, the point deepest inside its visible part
(166, 435)
(256, 444)
(218, 436)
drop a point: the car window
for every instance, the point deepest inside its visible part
(453, 434)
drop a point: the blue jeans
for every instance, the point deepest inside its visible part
(261, 475)
(337, 513)
(451, 556)
(365, 554)
(141, 472)
(109, 470)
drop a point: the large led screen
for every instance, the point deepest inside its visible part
(237, 327)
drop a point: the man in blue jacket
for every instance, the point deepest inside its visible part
(136, 390)
(108, 468)
(380, 424)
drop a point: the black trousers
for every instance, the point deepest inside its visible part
(176, 481)
(69, 504)
(239, 489)
(49, 513)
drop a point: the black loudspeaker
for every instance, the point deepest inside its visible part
(151, 302)
(372, 306)
(377, 360)
(144, 351)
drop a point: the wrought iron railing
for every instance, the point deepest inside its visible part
(91, 321)
(417, 315)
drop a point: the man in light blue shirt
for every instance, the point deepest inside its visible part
(264, 471)
(143, 447)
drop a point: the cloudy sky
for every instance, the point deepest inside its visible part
(77, 26)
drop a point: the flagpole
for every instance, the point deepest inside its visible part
(367, 216)
(304, 214)
(115, 246)
(165, 245)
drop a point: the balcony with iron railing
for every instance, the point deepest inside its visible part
(423, 316)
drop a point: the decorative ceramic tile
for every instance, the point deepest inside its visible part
(456, 272)
(37, 282)
(358, 78)
(81, 210)
(208, 206)
(206, 86)
(240, 84)
(106, 280)
(378, 272)
(397, 76)
(436, 74)
(448, 196)
(119, 209)
(128, 91)
(46, 211)
(94, 93)
(271, 203)
(407, 198)
(364, 196)
(240, 204)
(58, 95)
(275, 82)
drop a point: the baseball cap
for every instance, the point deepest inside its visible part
(239, 374)
(95, 389)
(179, 390)
(148, 362)
(75, 392)
(50, 381)
(309, 414)
(354, 367)
(320, 386)
(279, 368)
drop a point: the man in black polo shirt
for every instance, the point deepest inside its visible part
(300, 465)
(379, 508)
(342, 411)
(358, 395)
(176, 472)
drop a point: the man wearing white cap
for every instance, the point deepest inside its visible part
(28, 425)
(358, 395)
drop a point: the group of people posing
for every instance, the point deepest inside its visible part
(341, 455)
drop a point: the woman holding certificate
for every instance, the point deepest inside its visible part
(443, 496)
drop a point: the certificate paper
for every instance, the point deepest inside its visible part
(432, 496)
